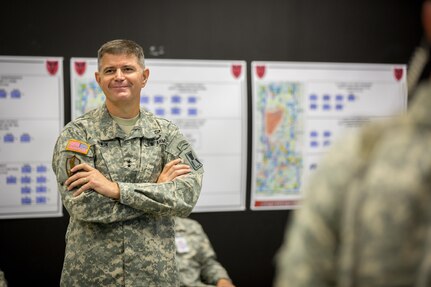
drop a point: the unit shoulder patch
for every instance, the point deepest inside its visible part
(193, 160)
(70, 163)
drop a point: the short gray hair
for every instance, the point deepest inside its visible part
(121, 47)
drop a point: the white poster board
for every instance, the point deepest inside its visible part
(207, 100)
(299, 110)
(31, 117)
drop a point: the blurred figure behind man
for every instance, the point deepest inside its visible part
(196, 259)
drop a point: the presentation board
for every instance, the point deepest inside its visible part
(31, 117)
(207, 99)
(300, 109)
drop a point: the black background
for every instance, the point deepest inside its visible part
(367, 31)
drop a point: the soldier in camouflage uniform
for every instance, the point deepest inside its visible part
(366, 217)
(123, 175)
(196, 259)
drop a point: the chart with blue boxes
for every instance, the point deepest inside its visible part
(31, 116)
(301, 109)
(207, 100)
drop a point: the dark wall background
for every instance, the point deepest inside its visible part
(367, 31)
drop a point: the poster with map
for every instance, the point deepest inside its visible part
(207, 100)
(31, 117)
(299, 111)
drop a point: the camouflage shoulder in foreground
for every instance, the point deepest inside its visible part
(366, 215)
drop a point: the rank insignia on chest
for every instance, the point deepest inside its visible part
(149, 142)
(77, 146)
(70, 163)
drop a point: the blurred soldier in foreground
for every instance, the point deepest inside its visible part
(3, 282)
(366, 217)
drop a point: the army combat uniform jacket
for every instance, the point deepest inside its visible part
(366, 217)
(196, 259)
(130, 241)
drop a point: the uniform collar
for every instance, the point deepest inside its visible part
(146, 126)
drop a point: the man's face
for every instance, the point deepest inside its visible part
(121, 78)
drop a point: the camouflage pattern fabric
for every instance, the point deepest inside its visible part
(366, 217)
(197, 262)
(2, 279)
(129, 242)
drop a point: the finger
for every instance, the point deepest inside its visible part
(83, 188)
(68, 181)
(178, 167)
(172, 163)
(72, 179)
(179, 172)
(79, 191)
(182, 168)
(78, 182)
(79, 175)
(81, 166)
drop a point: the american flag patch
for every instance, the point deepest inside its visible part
(78, 146)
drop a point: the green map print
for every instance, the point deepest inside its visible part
(279, 138)
(89, 96)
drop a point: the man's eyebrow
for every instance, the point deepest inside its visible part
(121, 67)
(107, 68)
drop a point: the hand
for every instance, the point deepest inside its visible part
(224, 283)
(172, 170)
(87, 178)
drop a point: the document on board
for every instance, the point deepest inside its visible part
(301, 109)
(31, 117)
(207, 100)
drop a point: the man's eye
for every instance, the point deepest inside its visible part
(109, 71)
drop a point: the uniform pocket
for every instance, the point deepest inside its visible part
(151, 161)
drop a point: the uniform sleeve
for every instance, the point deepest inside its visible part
(88, 206)
(308, 256)
(3, 282)
(211, 269)
(175, 198)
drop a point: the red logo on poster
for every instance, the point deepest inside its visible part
(260, 71)
(52, 67)
(398, 73)
(80, 68)
(236, 71)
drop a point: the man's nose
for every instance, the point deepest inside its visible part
(119, 74)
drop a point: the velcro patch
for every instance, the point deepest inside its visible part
(182, 145)
(77, 146)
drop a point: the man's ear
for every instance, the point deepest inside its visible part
(97, 77)
(145, 75)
